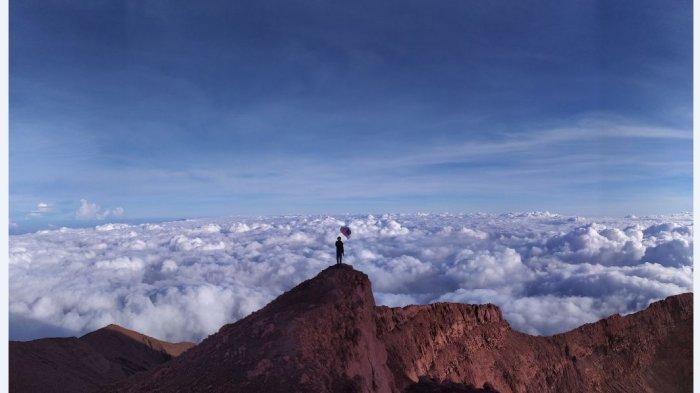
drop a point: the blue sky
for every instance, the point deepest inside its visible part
(188, 109)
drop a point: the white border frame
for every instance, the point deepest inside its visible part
(4, 194)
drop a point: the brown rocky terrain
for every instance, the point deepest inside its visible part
(318, 337)
(87, 363)
(647, 351)
(327, 335)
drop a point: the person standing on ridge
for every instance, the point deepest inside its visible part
(339, 251)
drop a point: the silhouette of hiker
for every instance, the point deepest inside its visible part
(339, 251)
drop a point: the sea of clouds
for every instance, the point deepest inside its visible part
(183, 280)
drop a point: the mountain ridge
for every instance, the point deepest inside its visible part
(328, 335)
(96, 359)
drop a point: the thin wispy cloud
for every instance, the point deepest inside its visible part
(305, 111)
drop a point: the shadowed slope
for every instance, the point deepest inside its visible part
(86, 363)
(427, 385)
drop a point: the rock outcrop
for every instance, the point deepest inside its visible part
(318, 337)
(647, 351)
(87, 363)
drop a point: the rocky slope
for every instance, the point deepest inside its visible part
(318, 337)
(86, 363)
(327, 335)
(647, 351)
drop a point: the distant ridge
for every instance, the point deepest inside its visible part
(99, 337)
(84, 364)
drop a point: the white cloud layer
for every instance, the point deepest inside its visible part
(183, 280)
